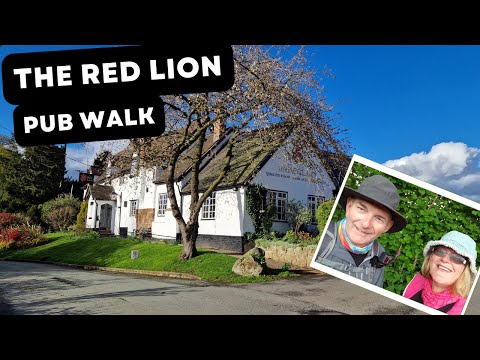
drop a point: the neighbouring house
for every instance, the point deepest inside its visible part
(141, 200)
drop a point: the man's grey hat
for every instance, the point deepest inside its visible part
(378, 190)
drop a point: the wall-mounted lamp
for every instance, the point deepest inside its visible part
(235, 188)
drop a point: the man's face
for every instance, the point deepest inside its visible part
(366, 221)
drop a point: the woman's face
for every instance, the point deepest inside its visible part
(445, 268)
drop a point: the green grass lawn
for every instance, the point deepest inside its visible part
(114, 252)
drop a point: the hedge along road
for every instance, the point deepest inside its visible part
(42, 289)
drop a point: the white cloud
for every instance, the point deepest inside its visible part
(451, 166)
(81, 156)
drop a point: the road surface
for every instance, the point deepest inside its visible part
(41, 289)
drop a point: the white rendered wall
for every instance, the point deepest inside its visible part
(293, 180)
(140, 188)
(93, 213)
(164, 227)
(229, 214)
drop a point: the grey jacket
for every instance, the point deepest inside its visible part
(340, 259)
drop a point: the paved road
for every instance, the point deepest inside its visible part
(29, 288)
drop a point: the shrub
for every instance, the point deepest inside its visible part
(6, 245)
(80, 227)
(22, 219)
(6, 219)
(32, 235)
(34, 213)
(323, 212)
(10, 234)
(60, 212)
(290, 237)
(260, 212)
(303, 236)
(297, 215)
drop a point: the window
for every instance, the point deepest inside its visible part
(313, 202)
(279, 200)
(133, 207)
(208, 209)
(162, 204)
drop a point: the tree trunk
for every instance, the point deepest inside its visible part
(189, 239)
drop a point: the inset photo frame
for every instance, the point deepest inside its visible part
(402, 238)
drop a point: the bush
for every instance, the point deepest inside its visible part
(297, 215)
(60, 212)
(260, 212)
(35, 214)
(323, 212)
(32, 235)
(6, 244)
(80, 227)
(290, 237)
(10, 234)
(301, 238)
(6, 219)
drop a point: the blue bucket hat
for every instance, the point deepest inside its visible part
(462, 244)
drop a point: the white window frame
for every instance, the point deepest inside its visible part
(278, 199)
(133, 207)
(208, 207)
(312, 203)
(162, 204)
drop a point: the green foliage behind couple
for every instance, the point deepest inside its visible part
(429, 216)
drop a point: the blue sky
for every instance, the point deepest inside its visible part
(415, 108)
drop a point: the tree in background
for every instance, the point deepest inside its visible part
(45, 174)
(30, 178)
(100, 162)
(13, 186)
(273, 86)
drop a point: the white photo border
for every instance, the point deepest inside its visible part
(359, 159)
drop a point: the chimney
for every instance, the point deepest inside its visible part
(218, 129)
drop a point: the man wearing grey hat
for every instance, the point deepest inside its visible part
(351, 245)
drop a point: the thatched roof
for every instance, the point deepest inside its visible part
(157, 153)
(101, 192)
(250, 152)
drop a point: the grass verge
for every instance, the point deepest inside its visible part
(116, 253)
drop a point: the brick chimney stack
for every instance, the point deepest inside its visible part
(218, 129)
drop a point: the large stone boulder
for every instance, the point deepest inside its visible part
(251, 263)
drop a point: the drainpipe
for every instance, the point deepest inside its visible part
(181, 209)
(95, 207)
(120, 213)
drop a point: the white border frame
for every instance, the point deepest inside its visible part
(374, 288)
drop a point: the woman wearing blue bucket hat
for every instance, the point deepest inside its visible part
(448, 270)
